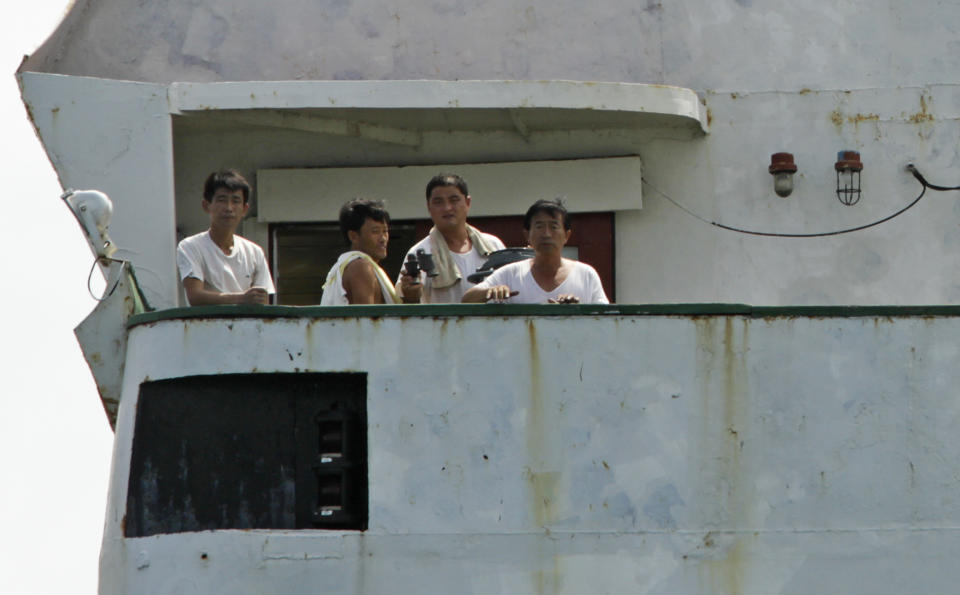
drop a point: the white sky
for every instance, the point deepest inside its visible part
(55, 442)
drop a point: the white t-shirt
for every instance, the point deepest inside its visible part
(199, 257)
(467, 263)
(582, 281)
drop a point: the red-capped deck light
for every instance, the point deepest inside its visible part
(782, 167)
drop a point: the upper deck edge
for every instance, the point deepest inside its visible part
(541, 310)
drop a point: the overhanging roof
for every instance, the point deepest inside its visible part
(407, 106)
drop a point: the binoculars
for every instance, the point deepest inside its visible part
(421, 261)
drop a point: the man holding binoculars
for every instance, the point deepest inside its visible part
(457, 248)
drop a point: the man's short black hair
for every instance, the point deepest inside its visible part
(447, 180)
(358, 210)
(553, 207)
(226, 178)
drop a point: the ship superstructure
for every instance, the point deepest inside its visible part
(689, 444)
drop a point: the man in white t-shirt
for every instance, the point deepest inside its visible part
(547, 277)
(217, 266)
(458, 249)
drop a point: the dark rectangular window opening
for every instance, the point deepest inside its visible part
(249, 451)
(303, 253)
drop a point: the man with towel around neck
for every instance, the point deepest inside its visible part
(458, 249)
(357, 278)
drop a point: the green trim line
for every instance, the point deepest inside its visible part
(854, 311)
(545, 310)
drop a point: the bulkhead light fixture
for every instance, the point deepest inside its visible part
(782, 167)
(848, 168)
(93, 211)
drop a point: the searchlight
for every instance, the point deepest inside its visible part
(93, 211)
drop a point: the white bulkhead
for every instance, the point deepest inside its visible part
(603, 453)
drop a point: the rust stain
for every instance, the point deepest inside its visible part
(923, 115)
(542, 484)
(733, 397)
(837, 118)
(805, 91)
(443, 328)
(29, 107)
(725, 574)
(187, 341)
(308, 332)
(704, 357)
(857, 118)
(709, 116)
(735, 413)
(534, 358)
(722, 372)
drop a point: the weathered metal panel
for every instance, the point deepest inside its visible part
(103, 338)
(650, 454)
(703, 44)
(115, 136)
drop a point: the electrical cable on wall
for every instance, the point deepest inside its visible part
(910, 167)
(93, 267)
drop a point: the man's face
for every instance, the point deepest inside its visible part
(546, 234)
(448, 208)
(226, 208)
(371, 239)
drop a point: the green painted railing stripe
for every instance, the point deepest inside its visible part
(399, 311)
